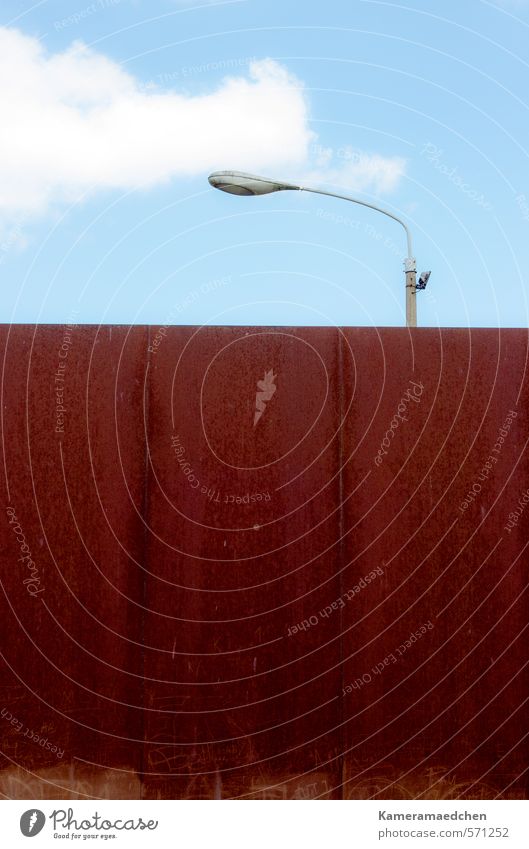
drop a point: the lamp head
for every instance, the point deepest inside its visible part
(239, 183)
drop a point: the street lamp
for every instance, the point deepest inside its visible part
(238, 183)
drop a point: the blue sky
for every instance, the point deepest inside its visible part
(115, 111)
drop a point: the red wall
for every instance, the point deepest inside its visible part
(158, 652)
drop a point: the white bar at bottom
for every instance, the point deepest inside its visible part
(268, 824)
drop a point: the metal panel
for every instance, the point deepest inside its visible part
(72, 640)
(243, 545)
(441, 713)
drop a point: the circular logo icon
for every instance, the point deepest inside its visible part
(31, 822)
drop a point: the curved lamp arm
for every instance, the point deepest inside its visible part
(364, 203)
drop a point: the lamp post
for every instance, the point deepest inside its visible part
(238, 183)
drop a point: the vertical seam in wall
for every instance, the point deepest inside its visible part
(341, 551)
(146, 404)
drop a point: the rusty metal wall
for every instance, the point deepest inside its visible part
(264, 562)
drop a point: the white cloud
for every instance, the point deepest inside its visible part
(357, 170)
(76, 121)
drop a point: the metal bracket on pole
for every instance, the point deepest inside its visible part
(410, 269)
